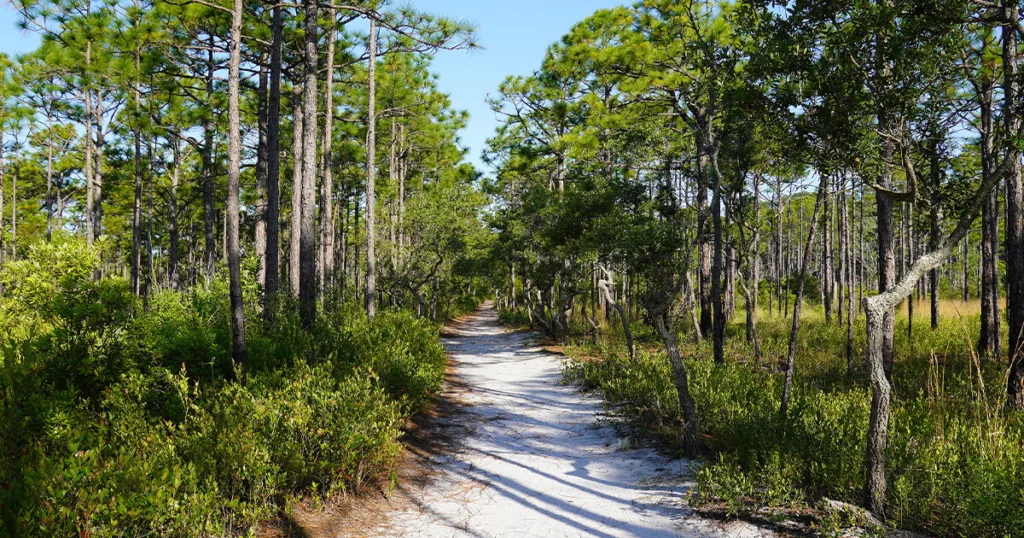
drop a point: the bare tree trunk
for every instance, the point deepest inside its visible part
(778, 243)
(691, 306)
(789, 256)
(876, 308)
(14, 215)
(860, 251)
(606, 285)
(704, 270)
(403, 172)
(850, 282)
(234, 171)
(97, 172)
(691, 444)
(1014, 207)
(147, 285)
(89, 194)
(208, 128)
(908, 211)
(327, 177)
(828, 286)
(934, 221)
(295, 230)
(2, 179)
(262, 171)
(886, 234)
(988, 339)
(730, 282)
(798, 302)
(751, 290)
(137, 161)
(371, 174)
(274, 167)
(49, 172)
(172, 218)
(307, 240)
(718, 297)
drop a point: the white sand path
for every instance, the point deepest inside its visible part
(538, 463)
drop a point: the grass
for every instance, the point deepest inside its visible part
(955, 457)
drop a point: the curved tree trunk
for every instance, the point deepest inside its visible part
(606, 286)
(876, 308)
(689, 431)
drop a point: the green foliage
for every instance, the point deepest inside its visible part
(956, 463)
(119, 422)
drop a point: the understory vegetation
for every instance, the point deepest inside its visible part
(955, 459)
(120, 422)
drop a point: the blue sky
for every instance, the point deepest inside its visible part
(514, 34)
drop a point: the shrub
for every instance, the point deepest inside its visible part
(954, 459)
(115, 421)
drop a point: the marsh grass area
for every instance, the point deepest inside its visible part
(955, 452)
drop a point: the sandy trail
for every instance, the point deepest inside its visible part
(537, 463)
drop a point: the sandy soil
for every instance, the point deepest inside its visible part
(533, 459)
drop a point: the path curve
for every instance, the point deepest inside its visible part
(537, 462)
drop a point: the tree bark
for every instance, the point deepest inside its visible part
(3, 250)
(876, 308)
(295, 229)
(89, 182)
(1014, 207)
(208, 128)
(172, 218)
(307, 241)
(704, 254)
(606, 285)
(371, 174)
(327, 178)
(273, 167)
(988, 339)
(262, 169)
(934, 222)
(886, 244)
(828, 286)
(718, 336)
(234, 171)
(689, 431)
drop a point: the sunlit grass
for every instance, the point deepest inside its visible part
(955, 461)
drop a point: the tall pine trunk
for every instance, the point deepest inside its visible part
(273, 218)
(327, 178)
(1014, 207)
(234, 171)
(371, 174)
(307, 240)
(208, 210)
(262, 168)
(295, 227)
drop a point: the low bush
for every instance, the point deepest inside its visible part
(954, 460)
(119, 422)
